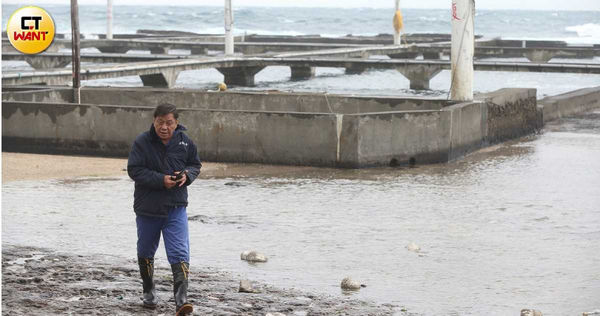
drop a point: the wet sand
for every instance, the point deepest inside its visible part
(20, 166)
(38, 281)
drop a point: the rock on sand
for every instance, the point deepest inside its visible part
(253, 256)
(351, 285)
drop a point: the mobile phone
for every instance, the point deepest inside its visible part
(178, 176)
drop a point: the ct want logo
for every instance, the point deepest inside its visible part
(30, 30)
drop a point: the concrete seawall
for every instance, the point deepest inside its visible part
(511, 113)
(259, 101)
(235, 136)
(249, 101)
(278, 128)
(570, 103)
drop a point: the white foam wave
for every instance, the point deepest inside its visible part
(264, 32)
(585, 30)
(284, 20)
(238, 31)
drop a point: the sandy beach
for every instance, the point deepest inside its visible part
(22, 166)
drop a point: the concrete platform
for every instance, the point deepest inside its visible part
(266, 127)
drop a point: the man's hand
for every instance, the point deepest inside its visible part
(183, 179)
(168, 182)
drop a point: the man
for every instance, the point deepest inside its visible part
(163, 162)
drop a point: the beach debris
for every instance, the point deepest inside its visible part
(592, 313)
(253, 256)
(246, 287)
(413, 247)
(530, 312)
(200, 218)
(351, 285)
(235, 184)
(275, 314)
(222, 86)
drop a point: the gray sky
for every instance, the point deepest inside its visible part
(481, 4)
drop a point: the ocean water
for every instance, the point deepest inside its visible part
(578, 28)
(575, 26)
(513, 226)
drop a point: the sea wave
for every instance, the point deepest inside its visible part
(585, 30)
(242, 31)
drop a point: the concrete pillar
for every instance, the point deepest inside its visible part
(240, 76)
(419, 75)
(113, 49)
(540, 56)
(228, 28)
(199, 50)
(302, 73)
(163, 50)
(355, 70)
(463, 48)
(46, 62)
(109, 19)
(406, 55)
(164, 79)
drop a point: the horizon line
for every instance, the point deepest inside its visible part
(286, 6)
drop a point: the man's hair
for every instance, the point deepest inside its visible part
(165, 109)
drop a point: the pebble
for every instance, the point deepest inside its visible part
(246, 287)
(530, 312)
(275, 314)
(253, 256)
(592, 313)
(349, 284)
(413, 247)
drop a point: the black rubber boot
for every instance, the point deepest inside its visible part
(180, 285)
(147, 272)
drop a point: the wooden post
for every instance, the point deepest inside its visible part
(109, 19)
(75, 51)
(228, 28)
(463, 48)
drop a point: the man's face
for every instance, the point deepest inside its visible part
(164, 126)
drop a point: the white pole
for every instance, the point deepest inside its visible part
(109, 19)
(397, 38)
(228, 28)
(463, 46)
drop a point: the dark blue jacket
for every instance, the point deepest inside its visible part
(150, 160)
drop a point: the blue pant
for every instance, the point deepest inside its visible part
(175, 233)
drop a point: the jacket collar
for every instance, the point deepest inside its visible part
(180, 128)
